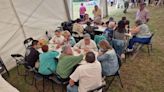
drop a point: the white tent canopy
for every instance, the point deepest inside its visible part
(20, 19)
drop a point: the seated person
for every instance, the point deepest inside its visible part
(109, 31)
(86, 19)
(141, 34)
(58, 39)
(108, 58)
(119, 38)
(32, 55)
(47, 61)
(78, 28)
(68, 39)
(90, 29)
(85, 44)
(88, 75)
(67, 62)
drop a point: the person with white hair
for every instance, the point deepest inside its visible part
(109, 31)
(86, 44)
(141, 34)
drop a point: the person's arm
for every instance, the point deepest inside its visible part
(77, 46)
(71, 82)
(135, 30)
(73, 42)
(74, 77)
(102, 57)
(53, 54)
(94, 46)
(52, 41)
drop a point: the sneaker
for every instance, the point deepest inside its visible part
(129, 50)
(122, 56)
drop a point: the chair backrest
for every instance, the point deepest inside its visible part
(3, 67)
(28, 42)
(97, 89)
(18, 58)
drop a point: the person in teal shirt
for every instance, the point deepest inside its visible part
(47, 62)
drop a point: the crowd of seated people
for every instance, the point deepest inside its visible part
(94, 59)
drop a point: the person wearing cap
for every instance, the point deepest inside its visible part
(86, 44)
(142, 13)
(47, 61)
(58, 39)
(32, 54)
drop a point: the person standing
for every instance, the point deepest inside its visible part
(82, 11)
(126, 5)
(97, 14)
(142, 13)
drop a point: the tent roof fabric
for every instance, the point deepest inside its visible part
(20, 19)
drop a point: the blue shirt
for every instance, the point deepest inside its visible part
(109, 62)
(47, 62)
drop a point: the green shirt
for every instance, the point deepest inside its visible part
(66, 64)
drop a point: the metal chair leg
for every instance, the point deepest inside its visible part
(120, 81)
(43, 83)
(110, 82)
(148, 49)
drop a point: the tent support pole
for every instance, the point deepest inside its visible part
(15, 12)
(106, 4)
(67, 9)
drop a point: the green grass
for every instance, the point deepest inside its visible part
(143, 74)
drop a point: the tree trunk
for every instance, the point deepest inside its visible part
(160, 2)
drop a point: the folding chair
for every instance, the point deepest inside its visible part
(20, 61)
(117, 74)
(149, 44)
(58, 80)
(37, 77)
(97, 89)
(3, 67)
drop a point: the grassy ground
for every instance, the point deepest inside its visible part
(143, 74)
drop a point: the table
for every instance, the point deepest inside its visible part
(52, 47)
(5, 86)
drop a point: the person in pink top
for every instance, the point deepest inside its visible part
(142, 13)
(82, 11)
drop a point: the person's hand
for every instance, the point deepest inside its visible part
(78, 50)
(86, 49)
(58, 46)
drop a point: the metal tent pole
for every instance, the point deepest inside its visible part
(15, 12)
(67, 9)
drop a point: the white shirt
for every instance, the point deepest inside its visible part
(81, 45)
(142, 15)
(57, 40)
(89, 76)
